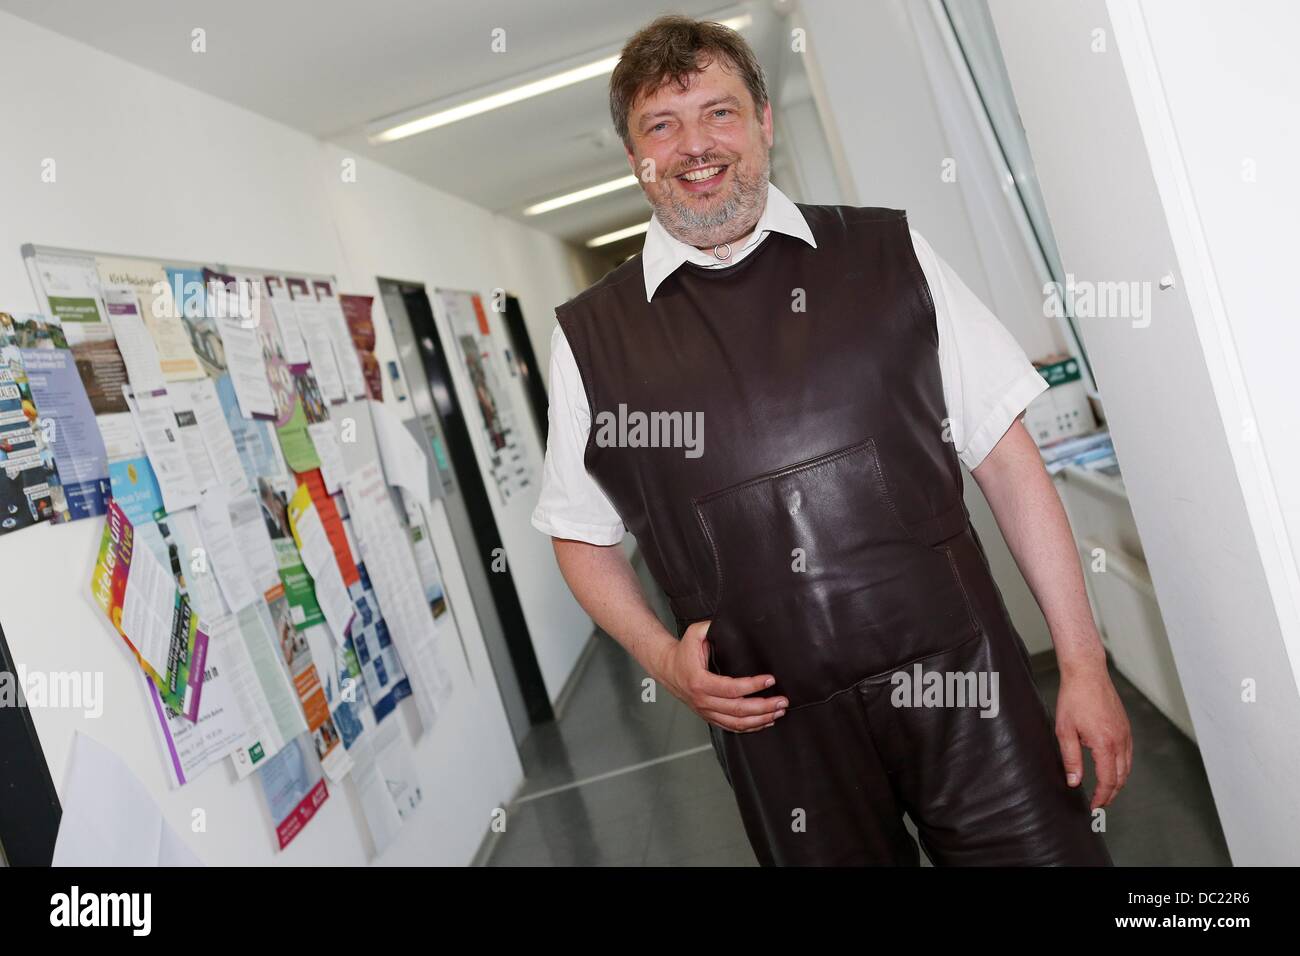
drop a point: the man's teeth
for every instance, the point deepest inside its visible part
(695, 175)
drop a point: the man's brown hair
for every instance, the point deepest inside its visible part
(671, 50)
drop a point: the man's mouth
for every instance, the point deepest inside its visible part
(702, 178)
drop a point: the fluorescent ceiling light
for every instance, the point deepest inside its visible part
(525, 91)
(581, 195)
(617, 234)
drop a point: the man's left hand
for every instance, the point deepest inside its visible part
(1089, 713)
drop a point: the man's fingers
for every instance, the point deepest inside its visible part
(744, 706)
(715, 685)
(1103, 758)
(1071, 755)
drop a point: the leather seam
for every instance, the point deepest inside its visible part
(979, 632)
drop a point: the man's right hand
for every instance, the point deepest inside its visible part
(722, 701)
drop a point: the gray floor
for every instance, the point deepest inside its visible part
(616, 781)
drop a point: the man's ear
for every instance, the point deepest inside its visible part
(766, 123)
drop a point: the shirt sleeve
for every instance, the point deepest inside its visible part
(571, 504)
(987, 379)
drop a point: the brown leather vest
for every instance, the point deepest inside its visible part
(809, 522)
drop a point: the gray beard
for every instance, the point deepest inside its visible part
(733, 218)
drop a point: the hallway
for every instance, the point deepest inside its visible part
(618, 782)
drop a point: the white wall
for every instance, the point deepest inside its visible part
(148, 167)
(878, 102)
(1138, 146)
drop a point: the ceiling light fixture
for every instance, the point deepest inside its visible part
(390, 131)
(581, 195)
(617, 234)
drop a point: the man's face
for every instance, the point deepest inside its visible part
(701, 155)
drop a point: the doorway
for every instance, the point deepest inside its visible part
(425, 365)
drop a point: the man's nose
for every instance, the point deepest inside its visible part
(696, 140)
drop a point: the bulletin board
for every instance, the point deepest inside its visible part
(265, 557)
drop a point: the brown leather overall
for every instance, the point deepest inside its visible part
(822, 530)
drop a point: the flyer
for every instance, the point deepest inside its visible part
(294, 789)
(133, 340)
(29, 479)
(70, 284)
(138, 594)
(159, 312)
(225, 299)
(386, 551)
(61, 400)
(382, 674)
(190, 747)
(205, 338)
(261, 687)
(319, 340)
(357, 313)
(345, 353)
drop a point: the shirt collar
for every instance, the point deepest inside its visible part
(662, 254)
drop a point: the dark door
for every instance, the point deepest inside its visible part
(434, 358)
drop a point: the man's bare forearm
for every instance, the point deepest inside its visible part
(1033, 521)
(607, 587)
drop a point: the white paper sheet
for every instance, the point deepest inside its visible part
(247, 367)
(386, 551)
(324, 436)
(345, 352)
(149, 607)
(285, 315)
(318, 557)
(156, 421)
(201, 398)
(133, 340)
(110, 818)
(404, 463)
(225, 560)
(320, 342)
(254, 541)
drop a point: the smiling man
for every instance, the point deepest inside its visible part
(818, 554)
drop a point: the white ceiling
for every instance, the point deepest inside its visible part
(330, 68)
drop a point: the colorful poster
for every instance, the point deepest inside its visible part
(382, 674)
(357, 313)
(61, 401)
(135, 489)
(138, 594)
(29, 479)
(294, 789)
(507, 458)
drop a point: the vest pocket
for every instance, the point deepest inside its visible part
(820, 583)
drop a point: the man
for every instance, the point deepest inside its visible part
(838, 627)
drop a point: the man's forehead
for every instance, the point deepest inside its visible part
(715, 79)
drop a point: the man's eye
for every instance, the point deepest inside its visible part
(720, 112)
(658, 126)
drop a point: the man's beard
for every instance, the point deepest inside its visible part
(730, 219)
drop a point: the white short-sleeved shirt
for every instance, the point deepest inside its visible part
(987, 379)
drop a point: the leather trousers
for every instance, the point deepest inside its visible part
(910, 691)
